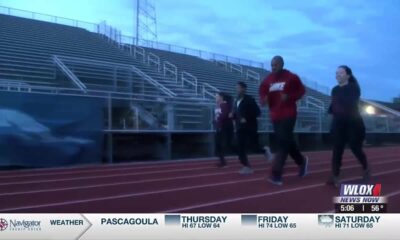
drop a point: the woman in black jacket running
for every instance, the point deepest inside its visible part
(347, 124)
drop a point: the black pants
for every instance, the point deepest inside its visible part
(347, 131)
(223, 141)
(283, 130)
(242, 142)
(254, 141)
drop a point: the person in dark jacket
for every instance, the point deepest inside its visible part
(280, 91)
(223, 125)
(347, 123)
(245, 114)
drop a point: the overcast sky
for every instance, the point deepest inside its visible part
(313, 36)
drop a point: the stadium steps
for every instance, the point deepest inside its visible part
(30, 45)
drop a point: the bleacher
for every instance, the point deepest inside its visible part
(151, 89)
(27, 49)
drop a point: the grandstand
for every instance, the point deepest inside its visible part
(146, 88)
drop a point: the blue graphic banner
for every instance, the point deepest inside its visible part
(49, 130)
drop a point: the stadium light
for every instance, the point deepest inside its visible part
(370, 110)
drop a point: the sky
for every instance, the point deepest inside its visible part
(313, 36)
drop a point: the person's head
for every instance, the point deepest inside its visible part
(344, 75)
(220, 97)
(277, 64)
(241, 88)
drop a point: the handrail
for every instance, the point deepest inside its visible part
(167, 66)
(223, 63)
(51, 18)
(152, 58)
(319, 104)
(154, 82)
(127, 46)
(145, 115)
(236, 67)
(383, 107)
(103, 94)
(185, 78)
(211, 86)
(135, 69)
(315, 85)
(16, 84)
(197, 53)
(78, 83)
(253, 74)
(139, 51)
(206, 92)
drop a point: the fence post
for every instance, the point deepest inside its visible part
(109, 134)
(210, 135)
(387, 125)
(320, 120)
(170, 117)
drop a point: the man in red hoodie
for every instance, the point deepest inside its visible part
(280, 90)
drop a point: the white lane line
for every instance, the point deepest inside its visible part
(137, 165)
(145, 173)
(133, 167)
(112, 170)
(392, 194)
(178, 189)
(138, 181)
(238, 199)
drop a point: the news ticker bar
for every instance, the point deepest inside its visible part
(198, 226)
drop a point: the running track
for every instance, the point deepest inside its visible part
(191, 186)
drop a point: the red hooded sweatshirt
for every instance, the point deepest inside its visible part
(277, 84)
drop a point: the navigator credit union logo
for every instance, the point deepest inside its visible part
(3, 224)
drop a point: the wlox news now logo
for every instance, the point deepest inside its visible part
(360, 193)
(360, 190)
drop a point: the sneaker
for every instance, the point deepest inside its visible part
(366, 175)
(246, 171)
(275, 181)
(304, 168)
(268, 154)
(333, 181)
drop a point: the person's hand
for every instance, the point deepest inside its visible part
(243, 120)
(230, 115)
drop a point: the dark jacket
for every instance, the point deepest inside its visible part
(247, 109)
(345, 100)
(222, 119)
